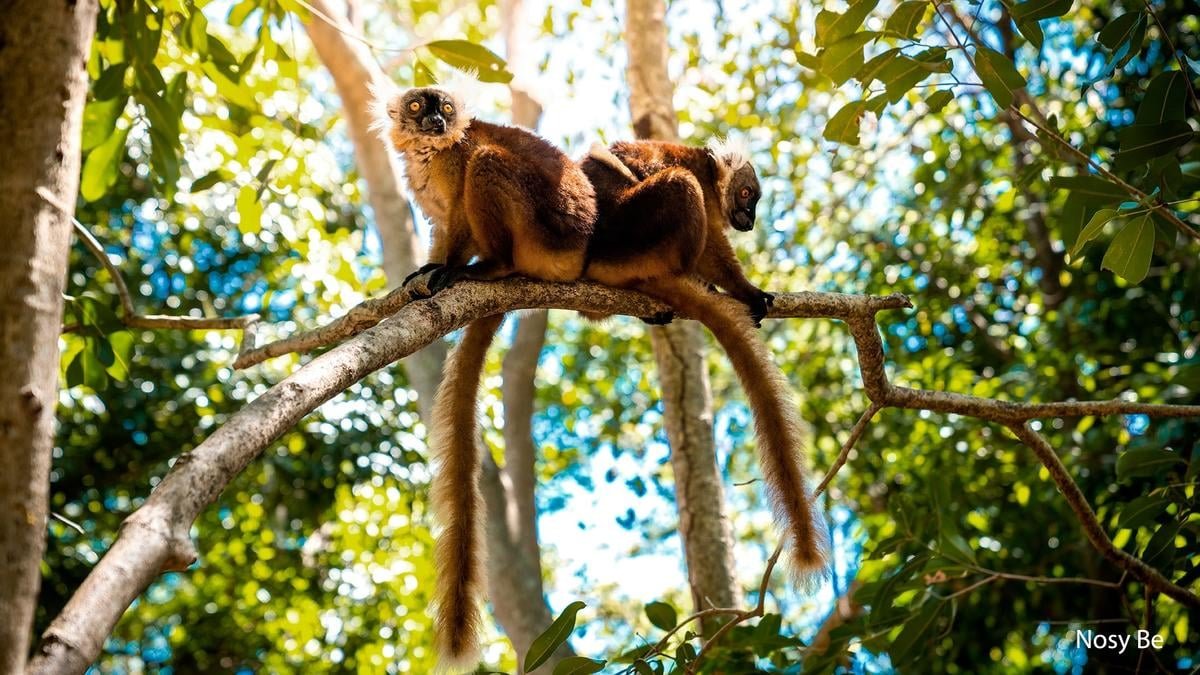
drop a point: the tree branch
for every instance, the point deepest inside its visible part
(156, 537)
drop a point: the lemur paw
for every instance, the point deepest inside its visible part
(442, 278)
(427, 267)
(759, 306)
(659, 318)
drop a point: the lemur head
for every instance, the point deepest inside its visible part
(737, 182)
(422, 118)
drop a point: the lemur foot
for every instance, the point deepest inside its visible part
(659, 318)
(427, 267)
(417, 283)
(443, 278)
(759, 306)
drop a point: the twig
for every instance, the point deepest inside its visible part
(856, 433)
(1092, 528)
(1183, 66)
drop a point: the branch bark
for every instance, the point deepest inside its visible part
(704, 525)
(156, 537)
(43, 53)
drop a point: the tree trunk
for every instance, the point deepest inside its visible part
(43, 56)
(514, 560)
(679, 348)
(354, 70)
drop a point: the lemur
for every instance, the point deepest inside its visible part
(517, 205)
(663, 209)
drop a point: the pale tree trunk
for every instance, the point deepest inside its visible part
(515, 567)
(354, 70)
(43, 84)
(679, 348)
(514, 554)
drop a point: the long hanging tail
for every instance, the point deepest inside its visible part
(775, 422)
(458, 502)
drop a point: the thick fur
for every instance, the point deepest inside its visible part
(775, 425)
(665, 235)
(499, 193)
(517, 205)
(458, 502)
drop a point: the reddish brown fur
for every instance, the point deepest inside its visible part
(457, 500)
(665, 234)
(517, 204)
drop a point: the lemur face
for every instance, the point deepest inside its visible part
(427, 111)
(426, 117)
(741, 197)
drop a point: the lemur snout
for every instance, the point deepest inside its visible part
(433, 124)
(743, 220)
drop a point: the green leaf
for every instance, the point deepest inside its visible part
(235, 93)
(1141, 143)
(1142, 511)
(1071, 222)
(901, 73)
(939, 99)
(210, 179)
(1036, 10)
(100, 120)
(1092, 229)
(1092, 189)
(1146, 462)
(956, 548)
(1127, 46)
(907, 18)
(662, 615)
(1165, 100)
(915, 631)
(578, 665)
(832, 26)
(100, 168)
(249, 209)
(1032, 31)
(1129, 253)
(121, 343)
(843, 126)
(845, 57)
(553, 637)
(1118, 31)
(870, 71)
(111, 82)
(90, 370)
(1160, 550)
(998, 74)
(198, 33)
(466, 55)
(422, 75)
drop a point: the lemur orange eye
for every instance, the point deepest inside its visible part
(745, 193)
(447, 108)
(414, 106)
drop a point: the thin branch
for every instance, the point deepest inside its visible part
(1092, 528)
(128, 315)
(856, 433)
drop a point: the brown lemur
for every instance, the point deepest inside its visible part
(663, 210)
(515, 204)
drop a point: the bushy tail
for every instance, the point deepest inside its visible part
(458, 502)
(775, 422)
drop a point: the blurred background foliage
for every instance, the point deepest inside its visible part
(219, 175)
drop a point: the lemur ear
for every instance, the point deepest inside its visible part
(384, 96)
(731, 152)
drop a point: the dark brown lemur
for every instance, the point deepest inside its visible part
(502, 201)
(663, 210)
